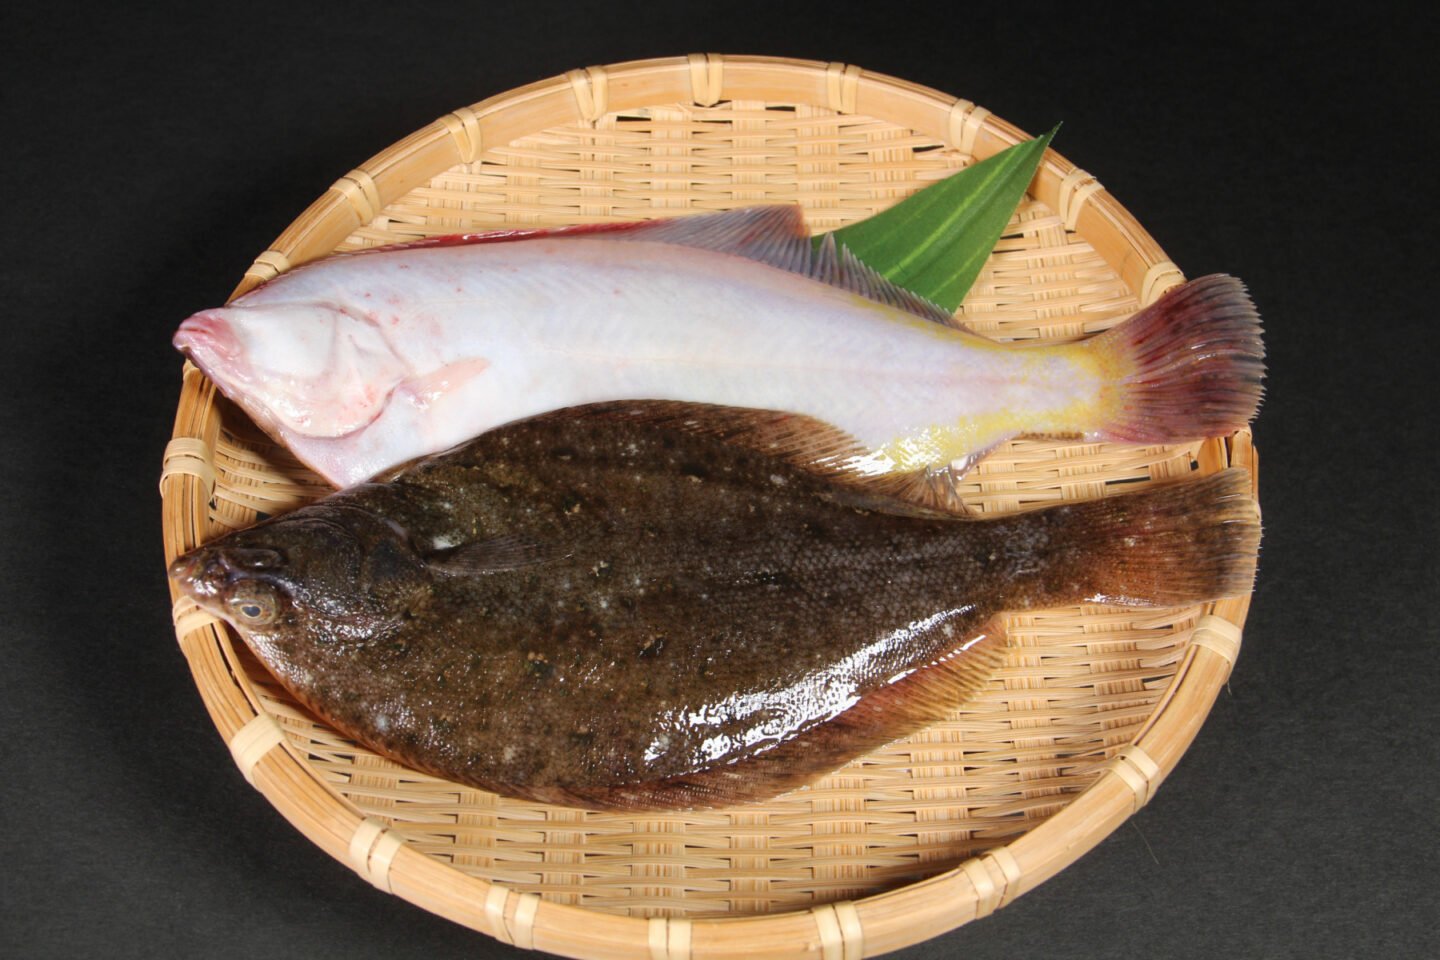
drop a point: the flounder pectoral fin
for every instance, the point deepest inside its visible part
(495, 555)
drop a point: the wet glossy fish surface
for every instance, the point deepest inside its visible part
(604, 613)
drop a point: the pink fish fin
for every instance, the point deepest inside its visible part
(928, 695)
(805, 442)
(428, 387)
(494, 555)
(1188, 366)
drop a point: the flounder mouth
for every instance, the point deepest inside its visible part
(210, 343)
(207, 340)
(199, 579)
(204, 575)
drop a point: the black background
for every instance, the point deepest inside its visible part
(150, 152)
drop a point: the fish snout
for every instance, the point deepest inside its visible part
(185, 568)
(204, 573)
(206, 338)
(200, 576)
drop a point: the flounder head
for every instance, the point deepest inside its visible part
(318, 575)
(307, 368)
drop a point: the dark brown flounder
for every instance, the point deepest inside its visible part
(601, 612)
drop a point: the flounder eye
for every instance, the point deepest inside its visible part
(253, 610)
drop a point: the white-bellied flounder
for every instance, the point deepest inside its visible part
(361, 361)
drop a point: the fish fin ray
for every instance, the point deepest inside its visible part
(776, 235)
(494, 555)
(1188, 366)
(839, 267)
(773, 234)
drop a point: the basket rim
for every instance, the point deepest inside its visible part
(872, 925)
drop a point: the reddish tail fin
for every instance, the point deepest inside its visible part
(1187, 366)
(1177, 544)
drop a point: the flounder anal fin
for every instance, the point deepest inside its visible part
(929, 695)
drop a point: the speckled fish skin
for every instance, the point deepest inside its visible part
(613, 615)
(360, 362)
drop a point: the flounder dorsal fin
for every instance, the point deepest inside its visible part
(837, 266)
(774, 235)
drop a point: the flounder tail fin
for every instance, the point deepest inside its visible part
(1187, 366)
(1177, 544)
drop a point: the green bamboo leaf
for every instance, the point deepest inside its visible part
(934, 242)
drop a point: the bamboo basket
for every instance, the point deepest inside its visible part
(1093, 708)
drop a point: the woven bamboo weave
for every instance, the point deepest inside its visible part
(1093, 707)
